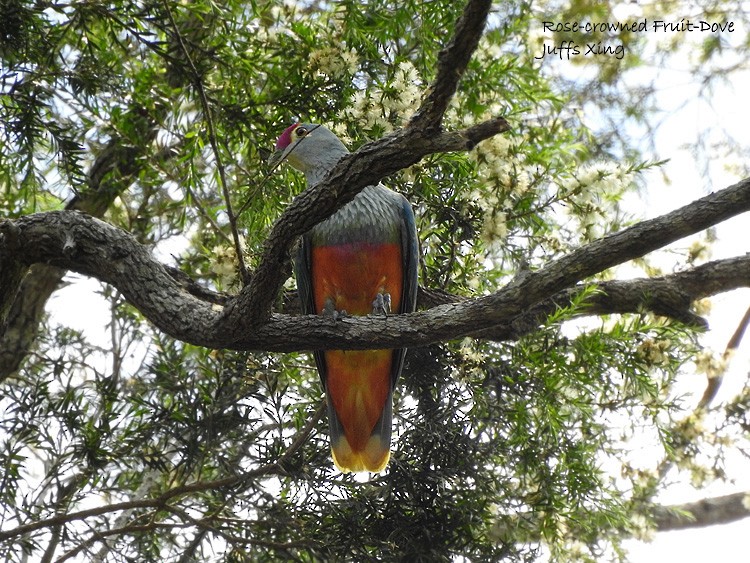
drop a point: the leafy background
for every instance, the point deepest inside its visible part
(155, 115)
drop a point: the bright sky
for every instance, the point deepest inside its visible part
(686, 119)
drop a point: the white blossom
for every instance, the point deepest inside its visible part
(224, 264)
(488, 51)
(642, 529)
(710, 364)
(334, 61)
(702, 307)
(654, 352)
(494, 227)
(388, 105)
(597, 178)
(699, 251)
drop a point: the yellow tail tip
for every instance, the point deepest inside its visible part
(374, 457)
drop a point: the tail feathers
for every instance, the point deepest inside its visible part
(373, 454)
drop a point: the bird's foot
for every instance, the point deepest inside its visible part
(329, 310)
(381, 305)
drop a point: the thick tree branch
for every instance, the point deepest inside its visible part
(25, 298)
(75, 241)
(714, 381)
(78, 242)
(669, 296)
(705, 512)
(459, 319)
(452, 63)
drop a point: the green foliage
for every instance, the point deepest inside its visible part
(503, 450)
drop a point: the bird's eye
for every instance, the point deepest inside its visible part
(301, 131)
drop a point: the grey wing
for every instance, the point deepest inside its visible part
(410, 257)
(303, 273)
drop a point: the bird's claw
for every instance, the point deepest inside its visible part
(329, 310)
(381, 305)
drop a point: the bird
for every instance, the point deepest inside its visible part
(362, 260)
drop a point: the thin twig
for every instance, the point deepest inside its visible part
(198, 83)
(162, 500)
(303, 435)
(714, 382)
(199, 205)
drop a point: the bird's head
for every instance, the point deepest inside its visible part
(308, 147)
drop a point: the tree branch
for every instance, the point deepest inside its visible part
(89, 246)
(78, 242)
(452, 62)
(705, 512)
(24, 298)
(456, 320)
(714, 381)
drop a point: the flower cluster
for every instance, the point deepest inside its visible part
(589, 188)
(702, 307)
(492, 155)
(654, 352)
(498, 165)
(388, 106)
(710, 364)
(224, 264)
(473, 358)
(642, 527)
(494, 226)
(488, 51)
(598, 178)
(404, 92)
(500, 177)
(699, 251)
(335, 61)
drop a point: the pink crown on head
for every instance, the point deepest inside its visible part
(286, 137)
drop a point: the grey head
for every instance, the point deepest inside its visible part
(310, 148)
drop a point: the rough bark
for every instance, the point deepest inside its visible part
(86, 245)
(705, 512)
(27, 290)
